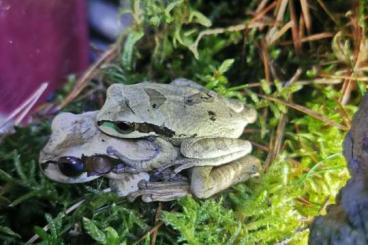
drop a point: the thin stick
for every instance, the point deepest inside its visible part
(306, 14)
(109, 55)
(46, 227)
(307, 111)
(157, 217)
(276, 142)
(21, 111)
(295, 28)
(323, 6)
(156, 227)
(216, 31)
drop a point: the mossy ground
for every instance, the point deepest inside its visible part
(302, 64)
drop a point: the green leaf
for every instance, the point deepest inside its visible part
(7, 231)
(199, 18)
(5, 176)
(53, 227)
(19, 167)
(41, 233)
(112, 237)
(127, 56)
(170, 7)
(94, 231)
(265, 85)
(225, 66)
(23, 198)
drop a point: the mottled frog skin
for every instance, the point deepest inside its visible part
(205, 125)
(146, 134)
(178, 110)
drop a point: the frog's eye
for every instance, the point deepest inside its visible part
(124, 127)
(71, 166)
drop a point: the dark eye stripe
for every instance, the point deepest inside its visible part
(128, 127)
(124, 127)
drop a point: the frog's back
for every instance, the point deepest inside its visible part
(181, 111)
(185, 111)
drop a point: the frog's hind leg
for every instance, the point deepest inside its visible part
(160, 191)
(207, 181)
(211, 152)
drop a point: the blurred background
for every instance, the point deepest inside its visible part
(46, 41)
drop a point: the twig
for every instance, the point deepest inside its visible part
(306, 14)
(156, 227)
(260, 14)
(281, 10)
(311, 38)
(294, 28)
(259, 146)
(21, 111)
(307, 111)
(266, 61)
(236, 28)
(273, 35)
(328, 12)
(363, 79)
(261, 5)
(109, 55)
(157, 217)
(46, 227)
(277, 142)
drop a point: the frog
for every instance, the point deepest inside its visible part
(76, 142)
(204, 125)
(77, 152)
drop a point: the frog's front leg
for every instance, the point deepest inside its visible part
(211, 152)
(164, 152)
(207, 181)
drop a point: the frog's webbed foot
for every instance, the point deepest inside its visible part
(207, 181)
(160, 191)
(210, 152)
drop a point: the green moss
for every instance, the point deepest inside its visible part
(161, 45)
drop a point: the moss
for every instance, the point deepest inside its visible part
(231, 48)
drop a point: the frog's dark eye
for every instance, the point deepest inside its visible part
(71, 166)
(124, 127)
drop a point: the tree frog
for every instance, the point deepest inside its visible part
(204, 125)
(77, 152)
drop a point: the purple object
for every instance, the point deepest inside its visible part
(40, 41)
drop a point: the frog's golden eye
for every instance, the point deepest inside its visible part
(124, 127)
